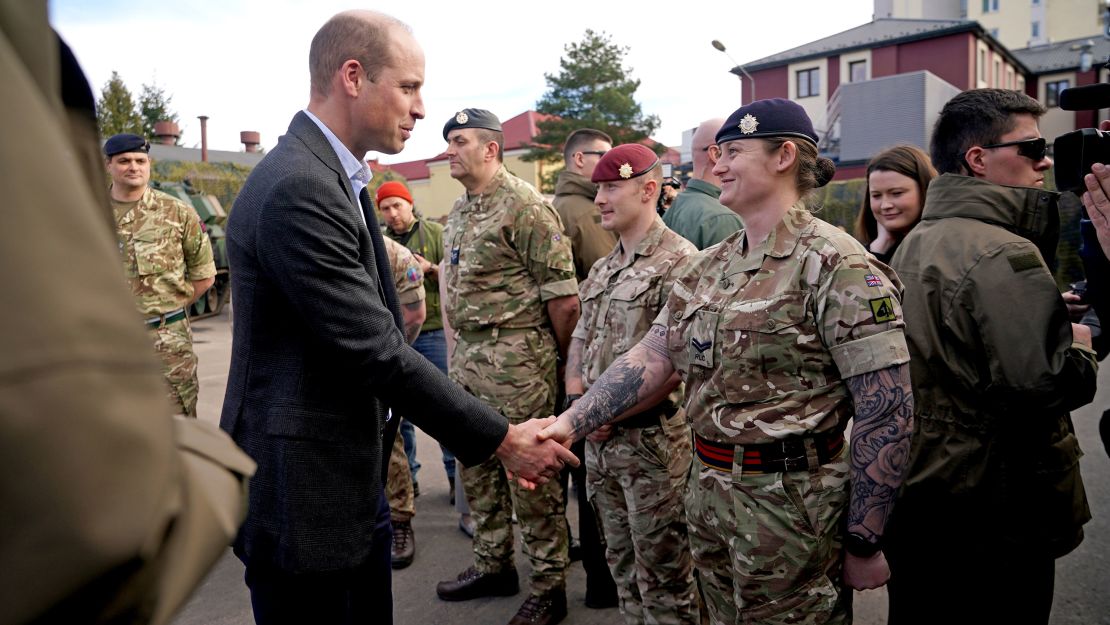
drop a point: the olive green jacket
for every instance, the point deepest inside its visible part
(425, 238)
(699, 217)
(574, 201)
(995, 370)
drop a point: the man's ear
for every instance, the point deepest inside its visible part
(491, 151)
(650, 188)
(350, 77)
(974, 161)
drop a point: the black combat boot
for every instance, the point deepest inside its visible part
(546, 609)
(470, 584)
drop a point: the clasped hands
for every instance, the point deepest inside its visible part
(536, 451)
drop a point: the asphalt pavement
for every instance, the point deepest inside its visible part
(442, 551)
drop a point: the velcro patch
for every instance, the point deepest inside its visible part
(1024, 262)
(882, 309)
(413, 274)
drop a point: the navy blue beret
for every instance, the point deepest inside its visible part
(126, 142)
(472, 118)
(623, 162)
(776, 117)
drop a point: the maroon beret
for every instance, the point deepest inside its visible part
(623, 162)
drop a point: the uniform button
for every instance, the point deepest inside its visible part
(770, 324)
(677, 316)
(725, 283)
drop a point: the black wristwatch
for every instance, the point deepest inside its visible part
(570, 399)
(860, 547)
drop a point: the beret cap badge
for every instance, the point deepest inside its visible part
(461, 117)
(626, 170)
(748, 124)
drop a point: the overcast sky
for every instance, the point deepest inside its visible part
(244, 63)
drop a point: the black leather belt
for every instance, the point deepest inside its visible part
(650, 417)
(788, 454)
(162, 321)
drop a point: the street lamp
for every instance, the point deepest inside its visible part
(1086, 57)
(738, 69)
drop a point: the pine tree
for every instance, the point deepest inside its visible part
(154, 106)
(591, 90)
(116, 111)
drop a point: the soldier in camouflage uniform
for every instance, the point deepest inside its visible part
(782, 333)
(636, 475)
(167, 259)
(409, 280)
(510, 295)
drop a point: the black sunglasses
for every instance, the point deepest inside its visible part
(1032, 149)
(595, 152)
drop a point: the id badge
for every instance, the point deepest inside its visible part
(702, 332)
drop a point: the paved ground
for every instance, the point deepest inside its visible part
(443, 551)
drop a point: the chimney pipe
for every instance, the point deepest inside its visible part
(203, 138)
(250, 140)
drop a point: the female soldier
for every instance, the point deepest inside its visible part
(781, 333)
(897, 180)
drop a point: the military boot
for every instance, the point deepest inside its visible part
(472, 584)
(546, 609)
(404, 544)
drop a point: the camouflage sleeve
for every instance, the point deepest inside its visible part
(546, 251)
(197, 249)
(676, 270)
(859, 316)
(407, 276)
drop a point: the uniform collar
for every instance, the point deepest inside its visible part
(780, 243)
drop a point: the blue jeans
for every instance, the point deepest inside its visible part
(433, 346)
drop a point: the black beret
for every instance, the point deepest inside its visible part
(118, 144)
(624, 162)
(472, 118)
(776, 117)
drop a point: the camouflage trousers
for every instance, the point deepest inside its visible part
(636, 482)
(398, 483)
(514, 374)
(767, 546)
(174, 345)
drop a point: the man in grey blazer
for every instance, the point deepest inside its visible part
(318, 356)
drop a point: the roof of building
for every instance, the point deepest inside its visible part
(162, 152)
(411, 170)
(877, 33)
(1062, 55)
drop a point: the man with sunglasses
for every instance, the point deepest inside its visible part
(574, 199)
(992, 492)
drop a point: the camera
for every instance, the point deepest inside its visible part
(1076, 151)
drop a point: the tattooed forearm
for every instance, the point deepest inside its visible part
(634, 376)
(880, 445)
(573, 376)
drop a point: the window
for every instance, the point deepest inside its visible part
(1020, 83)
(1036, 30)
(1036, 3)
(990, 6)
(994, 33)
(809, 82)
(997, 73)
(982, 65)
(857, 71)
(1052, 92)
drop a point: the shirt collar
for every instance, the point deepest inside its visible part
(356, 170)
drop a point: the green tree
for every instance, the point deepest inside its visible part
(116, 111)
(592, 89)
(154, 106)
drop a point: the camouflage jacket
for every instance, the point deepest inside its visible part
(407, 276)
(621, 298)
(164, 249)
(765, 337)
(506, 256)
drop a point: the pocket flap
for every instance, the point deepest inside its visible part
(768, 315)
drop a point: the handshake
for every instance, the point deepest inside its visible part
(536, 451)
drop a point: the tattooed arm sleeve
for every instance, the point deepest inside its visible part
(635, 376)
(880, 445)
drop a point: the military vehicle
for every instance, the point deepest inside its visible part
(213, 218)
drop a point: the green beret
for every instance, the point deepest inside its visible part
(472, 118)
